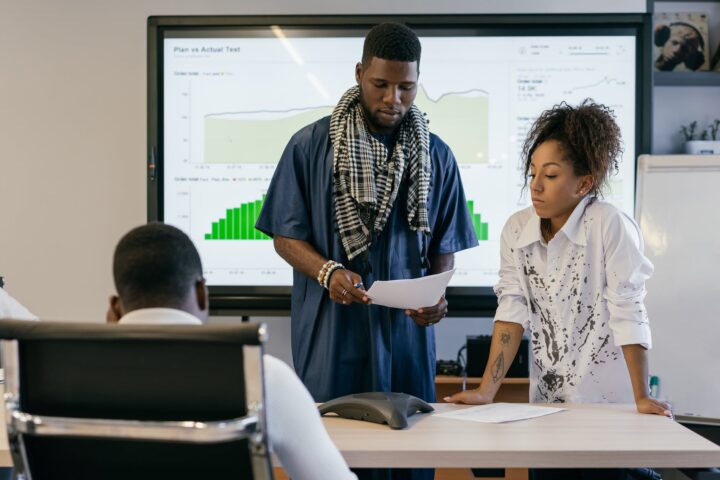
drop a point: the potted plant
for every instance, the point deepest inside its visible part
(705, 142)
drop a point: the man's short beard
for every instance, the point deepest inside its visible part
(372, 120)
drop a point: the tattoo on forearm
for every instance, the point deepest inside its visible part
(505, 337)
(498, 368)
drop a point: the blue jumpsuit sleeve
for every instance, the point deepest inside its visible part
(453, 230)
(285, 210)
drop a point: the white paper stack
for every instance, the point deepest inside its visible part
(499, 412)
(413, 294)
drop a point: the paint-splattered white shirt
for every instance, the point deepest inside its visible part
(581, 295)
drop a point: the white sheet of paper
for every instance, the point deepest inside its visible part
(413, 294)
(499, 412)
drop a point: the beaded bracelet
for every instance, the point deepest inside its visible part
(324, 268)
(326, 280)
(323, 275)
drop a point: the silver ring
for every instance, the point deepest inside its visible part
(344, 292)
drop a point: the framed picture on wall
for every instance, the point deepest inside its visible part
(681, 42)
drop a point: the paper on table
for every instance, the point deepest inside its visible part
(499, 412)
(413, 294)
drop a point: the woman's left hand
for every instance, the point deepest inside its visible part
(653, 406)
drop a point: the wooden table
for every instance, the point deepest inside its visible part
(592, 436)
(583, 436)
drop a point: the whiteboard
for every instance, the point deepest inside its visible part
(678, 208)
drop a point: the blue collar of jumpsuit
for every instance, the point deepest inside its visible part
(572, 229)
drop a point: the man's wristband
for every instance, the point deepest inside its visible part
(324, 274)
(326, 281)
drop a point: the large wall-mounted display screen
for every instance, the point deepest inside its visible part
(230, 98)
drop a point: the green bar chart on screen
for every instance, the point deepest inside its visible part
(238, 223)
(481, 228)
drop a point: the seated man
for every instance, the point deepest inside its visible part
(158, 277)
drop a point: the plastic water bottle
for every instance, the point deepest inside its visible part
(654, 386)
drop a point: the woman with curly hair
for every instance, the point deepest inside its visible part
(573, 273)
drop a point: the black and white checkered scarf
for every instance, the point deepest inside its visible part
(366, 179)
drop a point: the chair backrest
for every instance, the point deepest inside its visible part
(135, 401)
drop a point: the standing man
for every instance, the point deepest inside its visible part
(367, 194)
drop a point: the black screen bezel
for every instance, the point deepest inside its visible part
(464, 301)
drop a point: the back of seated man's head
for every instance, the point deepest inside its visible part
(157, 266)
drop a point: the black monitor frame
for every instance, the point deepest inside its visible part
(464, 301)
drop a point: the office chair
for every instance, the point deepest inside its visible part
(143, 402)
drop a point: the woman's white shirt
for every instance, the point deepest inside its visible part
(581, 295)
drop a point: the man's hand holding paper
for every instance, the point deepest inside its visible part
(426, 316)
(346, 287)
(412, 296)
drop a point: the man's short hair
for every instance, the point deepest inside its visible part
(392, 41)
(155, 264)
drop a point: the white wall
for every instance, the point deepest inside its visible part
(73, 135)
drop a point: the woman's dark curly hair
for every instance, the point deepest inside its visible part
(587, 133)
